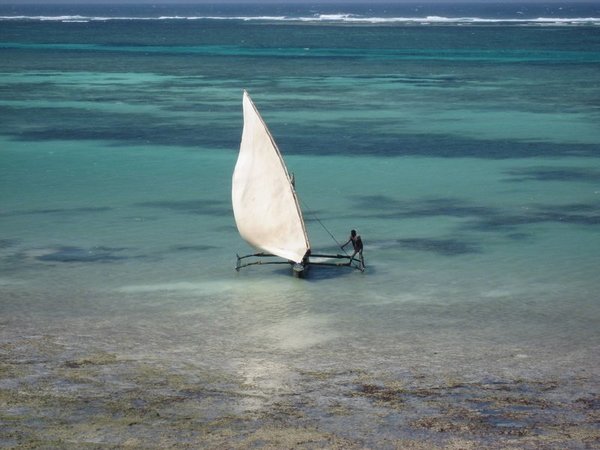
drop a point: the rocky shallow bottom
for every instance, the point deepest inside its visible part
(51, 397)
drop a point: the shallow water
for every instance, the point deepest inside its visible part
(466, 157)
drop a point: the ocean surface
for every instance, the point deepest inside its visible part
(462, 141)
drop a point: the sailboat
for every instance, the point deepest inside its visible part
(265, 204)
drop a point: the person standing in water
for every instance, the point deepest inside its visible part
(357, 245)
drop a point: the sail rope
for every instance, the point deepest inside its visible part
(309, 210)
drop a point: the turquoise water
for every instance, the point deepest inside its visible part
(465, 154)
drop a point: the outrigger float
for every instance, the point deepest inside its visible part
(265, 204)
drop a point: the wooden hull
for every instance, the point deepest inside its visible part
(299, 270)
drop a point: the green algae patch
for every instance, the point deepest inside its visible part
(97, 359)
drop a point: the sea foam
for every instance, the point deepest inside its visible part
(325, 18)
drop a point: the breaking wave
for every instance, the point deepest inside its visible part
(324, 18)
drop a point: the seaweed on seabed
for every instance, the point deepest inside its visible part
(390, 396)
(98, 359)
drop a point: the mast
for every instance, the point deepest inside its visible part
(265, 205)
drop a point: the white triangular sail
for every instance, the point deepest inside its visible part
(265, 204)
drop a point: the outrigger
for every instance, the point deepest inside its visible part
(299, 270)
(265, 204)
